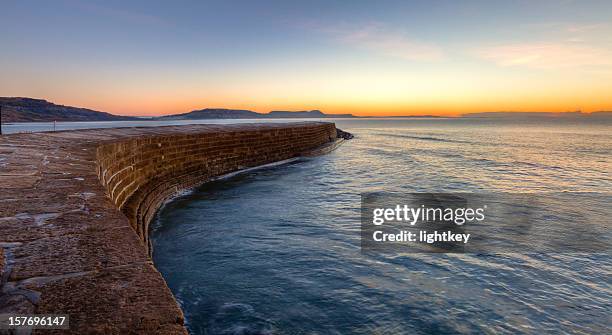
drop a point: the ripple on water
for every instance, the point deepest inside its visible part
(277, 250)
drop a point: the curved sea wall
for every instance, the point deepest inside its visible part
(141, 173)
(75, 207)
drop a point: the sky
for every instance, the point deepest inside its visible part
(361, 57)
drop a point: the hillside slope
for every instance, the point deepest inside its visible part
(222, 113)
(213, 113)
(37, 110)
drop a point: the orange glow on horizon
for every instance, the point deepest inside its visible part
(444, 92)
(373, 110)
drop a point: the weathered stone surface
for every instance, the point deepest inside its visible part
(2, 264)
(75, 208)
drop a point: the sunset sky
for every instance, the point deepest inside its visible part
(360, 57)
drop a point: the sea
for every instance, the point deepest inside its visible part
(277, 250)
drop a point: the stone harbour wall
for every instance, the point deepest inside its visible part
(75, 208)
(141, 173)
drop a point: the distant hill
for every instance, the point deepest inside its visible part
(221, 113)
(213, 113)
(38, 110)
(20, 109)
(529, 115)
(602, 114)
(304, 114)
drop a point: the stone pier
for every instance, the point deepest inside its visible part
(75, 208)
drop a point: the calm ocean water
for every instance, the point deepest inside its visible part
(277, 250)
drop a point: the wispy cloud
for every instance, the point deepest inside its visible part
(566, 27)
(381, 40)
(546, 55)
(120, 14)
(582, 28)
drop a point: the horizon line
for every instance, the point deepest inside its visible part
(397, 115)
